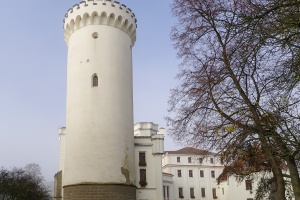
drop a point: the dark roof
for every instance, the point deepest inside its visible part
(190, 150)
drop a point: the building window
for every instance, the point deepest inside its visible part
(212, 160)
(143, 180)
(203, 192)
(178, 159)
(180, 190)
(179, 173)
(221, 161)
(142, 159)
(213, 174)
(166, 193)
(201, 173)
(248, 184)
(189, 159)
(214, 192)
(190, 173)
(192, 193)
(95, 80)
(200, 160)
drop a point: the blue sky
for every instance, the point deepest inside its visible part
(33, 76)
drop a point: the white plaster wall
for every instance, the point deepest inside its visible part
(171, 166)
(153, 189)
(158, 145)
(152, 145)
(62, 140)
(145, 129)
(237, 190)
(168, 181)
(99, 119)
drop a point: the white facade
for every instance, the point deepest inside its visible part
(233, 189)
(148, 140)
(192, 179)
(99, 117)
(62, 143)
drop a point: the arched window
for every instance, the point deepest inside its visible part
(95, 80)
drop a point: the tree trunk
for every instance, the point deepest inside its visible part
(295, 179)
(292, 166)
(276, 169)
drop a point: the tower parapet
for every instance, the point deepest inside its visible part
(100, 12)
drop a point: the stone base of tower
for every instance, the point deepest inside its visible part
(99, 192)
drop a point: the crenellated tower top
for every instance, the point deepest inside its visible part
(100, 12)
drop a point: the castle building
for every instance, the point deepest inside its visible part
(97, 155)
(103, 155)
(190, 173)
(148, 151)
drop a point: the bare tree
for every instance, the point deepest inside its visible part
(239, 82)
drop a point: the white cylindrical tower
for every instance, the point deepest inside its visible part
(99, 154)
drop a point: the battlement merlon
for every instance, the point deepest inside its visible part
(100, 12)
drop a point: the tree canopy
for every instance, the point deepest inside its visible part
(239, 86)
(23, 184)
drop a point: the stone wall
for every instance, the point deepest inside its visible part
(58, 186)
(100, 192)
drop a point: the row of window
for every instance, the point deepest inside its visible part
(200, 160)
(203, 190)
(212, 173)
(192, 193)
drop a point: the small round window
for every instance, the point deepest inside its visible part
(95, 35)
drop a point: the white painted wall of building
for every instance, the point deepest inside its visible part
(99, 119)
(234, 189)
(171, 166)
(149, 140)
(62, 141)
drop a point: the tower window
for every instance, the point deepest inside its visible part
(95, 80)
(95, 35)
(143, 181)
(142, 159)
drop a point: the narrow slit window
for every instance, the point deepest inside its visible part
(95, 81)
